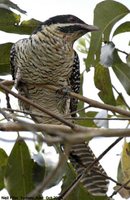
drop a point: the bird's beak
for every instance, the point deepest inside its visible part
(90, 28)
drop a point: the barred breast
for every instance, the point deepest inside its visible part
(38, 64)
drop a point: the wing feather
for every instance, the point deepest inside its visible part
(75, 83)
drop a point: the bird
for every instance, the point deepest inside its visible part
(47, 57)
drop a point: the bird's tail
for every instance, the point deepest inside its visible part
(94, 180)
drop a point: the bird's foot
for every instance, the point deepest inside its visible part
(65, 91)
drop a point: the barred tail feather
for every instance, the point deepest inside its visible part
(81, 156)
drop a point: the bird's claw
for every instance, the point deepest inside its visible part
(65, 91)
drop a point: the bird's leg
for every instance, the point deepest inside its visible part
(21, 85)
(63, 99)
(64, 91)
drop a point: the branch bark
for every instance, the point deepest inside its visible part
(91, 102)
(79, 133)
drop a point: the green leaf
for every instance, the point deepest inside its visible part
(18, 175)
(5, 58)
(27, 27)
(38, 173)
(106, 15)
(88, 122)
(120, 102)
(103, 83)
(125, 27)
(38, 168)
(8, 4)
(82, 45)
(122, 72)
(3, 163)
(3, 157)
(124, 170)
(9, 22)
(128, 60)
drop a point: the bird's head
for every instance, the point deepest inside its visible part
(69, 26)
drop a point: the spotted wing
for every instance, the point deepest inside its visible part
(75, 83)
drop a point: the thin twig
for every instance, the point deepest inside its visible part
(77, 111)
(65, 116)
(105, 152)
(24, 112)
(91, 102)
(7, 82)
(98, 118)
(5, 115)
(121, 96)
(111, 179)
(122, 51)
(8, 100)
(122, 186)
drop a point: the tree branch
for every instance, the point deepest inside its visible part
(79, 133)
(119, 188)
(91, 102)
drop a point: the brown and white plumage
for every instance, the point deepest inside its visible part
(48, 57)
